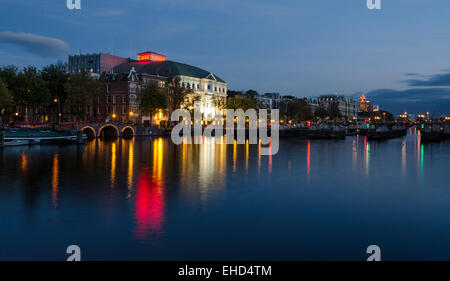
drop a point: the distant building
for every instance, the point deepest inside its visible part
(366, 106)
(347, 106)
(270, 100)
(94, 63)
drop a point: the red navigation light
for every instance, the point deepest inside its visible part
(149, 56)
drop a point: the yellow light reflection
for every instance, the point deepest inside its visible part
(234, 155)
(158, 153)
(55, 180)
(130, 165)
(246, 155)
(113, 164)
(23, 162)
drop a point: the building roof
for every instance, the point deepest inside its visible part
(167, 69)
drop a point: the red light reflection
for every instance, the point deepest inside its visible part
(149, 206)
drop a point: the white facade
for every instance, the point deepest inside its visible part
(207, 89)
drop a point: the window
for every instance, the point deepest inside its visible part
(133, 88)
(124, 99)
(108, 88)
(133, 99)
(108, 99)
(114, 99)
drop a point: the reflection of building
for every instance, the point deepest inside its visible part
(123, 78)
(270, 100)
(347, 106)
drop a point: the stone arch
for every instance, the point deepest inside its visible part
(128, 132)
(108, 130)
(89, 131)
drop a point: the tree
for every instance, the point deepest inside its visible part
(82, 91)
(220, 102)
(6, 100)
(9, 75)
(241, 102)
(321, 113)
(32, 92)
(296, 110)
(334, 111)
(177, 95)
(55, 76)
(252, 94)
(152, 99)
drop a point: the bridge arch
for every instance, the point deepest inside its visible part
(128, 132)
(89, 131)
(108, 130)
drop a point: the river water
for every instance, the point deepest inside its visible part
(148, 199)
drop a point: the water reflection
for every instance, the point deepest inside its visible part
(130, 166)
(55, 180)
(308, 161)
(113, 164)
(23, 162)
(149, 206)
(162, 191)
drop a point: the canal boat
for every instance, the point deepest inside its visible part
(14, 137)
(16, 143)
(432, 133)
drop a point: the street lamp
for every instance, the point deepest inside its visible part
(56, 100)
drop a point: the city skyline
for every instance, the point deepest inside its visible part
(295, 48)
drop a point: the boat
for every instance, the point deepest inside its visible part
(384, 133)
(13, 137)
(16, 142)
(432, 133)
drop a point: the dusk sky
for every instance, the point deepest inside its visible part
(302, 48)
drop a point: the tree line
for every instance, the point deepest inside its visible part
(40, 93)
(52, 90)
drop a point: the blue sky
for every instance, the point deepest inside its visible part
(297, 47)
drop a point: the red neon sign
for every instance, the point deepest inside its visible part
(151, 57)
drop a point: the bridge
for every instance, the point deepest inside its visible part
(103, 129)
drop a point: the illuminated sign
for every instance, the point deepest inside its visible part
(151, 57)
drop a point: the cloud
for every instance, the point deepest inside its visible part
(35, 44)
(418, 100)
(438, 80)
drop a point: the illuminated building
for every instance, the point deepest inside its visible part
(364, 104)
(206, 86)
(347, 106)
(123, 79)
(121, 92)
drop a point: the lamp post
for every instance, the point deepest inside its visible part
(56, 100)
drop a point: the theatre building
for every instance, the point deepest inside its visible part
(123, 83)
